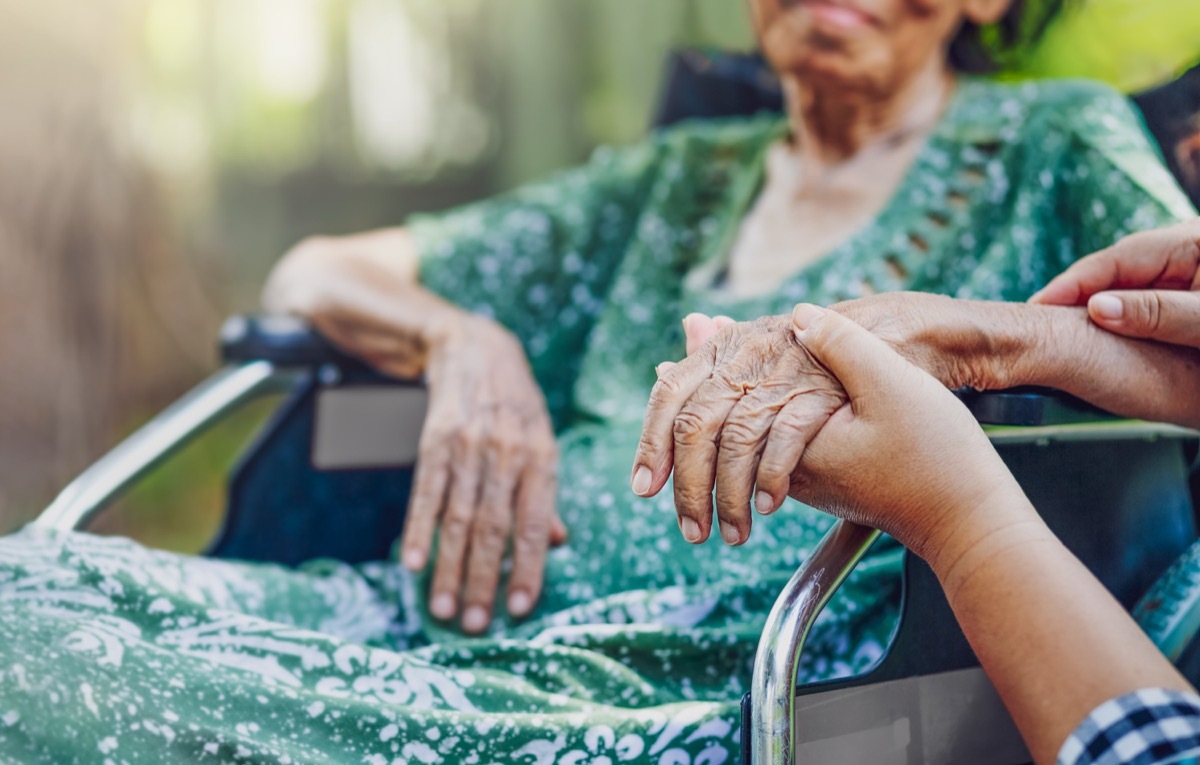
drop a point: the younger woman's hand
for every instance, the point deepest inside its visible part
(1147, 285)
(902, 454)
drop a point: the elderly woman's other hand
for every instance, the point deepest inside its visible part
(710, 416)
(1147, 285)
(488, 456)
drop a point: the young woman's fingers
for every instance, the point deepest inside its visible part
(1169, 316)
(535, 517)
(1166, 258)
(863, 364)
(676, 384)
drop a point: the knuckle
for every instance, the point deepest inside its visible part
(789, 425)
(740, 435)
(455, 525)
(532, 535)
(691, 425)
(502, 441)
(488, 543)
(1149, 312)
(466, 439)
(667, 389)
(544, 451)
(771, 472)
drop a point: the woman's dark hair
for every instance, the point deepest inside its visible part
(983, 49)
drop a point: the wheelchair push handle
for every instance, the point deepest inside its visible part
(285, 341)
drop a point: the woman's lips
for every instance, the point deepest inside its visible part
(839, 16)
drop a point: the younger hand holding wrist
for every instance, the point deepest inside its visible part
(903, 454)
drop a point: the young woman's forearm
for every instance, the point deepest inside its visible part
(1052, 639)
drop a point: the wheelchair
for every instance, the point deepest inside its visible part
(1117, 492)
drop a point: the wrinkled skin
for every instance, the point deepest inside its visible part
(486, 473)
(710, 417)
(982, 345)
(740, 409)
(488, 458)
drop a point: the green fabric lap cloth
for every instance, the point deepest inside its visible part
(641, 644)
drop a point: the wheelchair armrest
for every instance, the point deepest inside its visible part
(1030, 407)
(285, 341)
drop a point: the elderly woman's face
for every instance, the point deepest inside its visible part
(867, 45)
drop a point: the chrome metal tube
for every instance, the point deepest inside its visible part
(773, 685)
(159, 438)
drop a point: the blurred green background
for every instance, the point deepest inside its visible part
(157, 156)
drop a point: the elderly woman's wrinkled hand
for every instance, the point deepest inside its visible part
(488, 457)
(735, 417)
(486, 474)
(735, 413)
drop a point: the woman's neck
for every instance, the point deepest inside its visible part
(831, 125)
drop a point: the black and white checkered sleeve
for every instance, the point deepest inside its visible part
(1149, 727)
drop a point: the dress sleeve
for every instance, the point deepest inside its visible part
(540, 260)
(1114, 182)
(1148, 727)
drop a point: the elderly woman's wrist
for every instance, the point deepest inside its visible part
(1012, 344)
(974, 344)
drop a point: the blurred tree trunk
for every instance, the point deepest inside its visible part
(85, 263)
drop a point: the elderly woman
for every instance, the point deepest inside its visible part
(537, 319)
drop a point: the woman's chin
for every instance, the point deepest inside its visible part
(827, 71)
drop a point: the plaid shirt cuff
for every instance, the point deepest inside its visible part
(1148, 727)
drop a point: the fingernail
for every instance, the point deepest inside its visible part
(519, 603)
(442, 606)
(663, 368)
(764, 502)
(1107, 307)
(804, 314)
(414, 560)
(690, 529)
(475, 619)
(641, 480)
(729, 533)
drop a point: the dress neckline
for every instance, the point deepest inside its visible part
(957, 123)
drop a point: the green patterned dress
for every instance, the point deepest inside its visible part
(642, 644)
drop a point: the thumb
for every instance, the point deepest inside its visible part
(861, 362)
(1169, 316)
